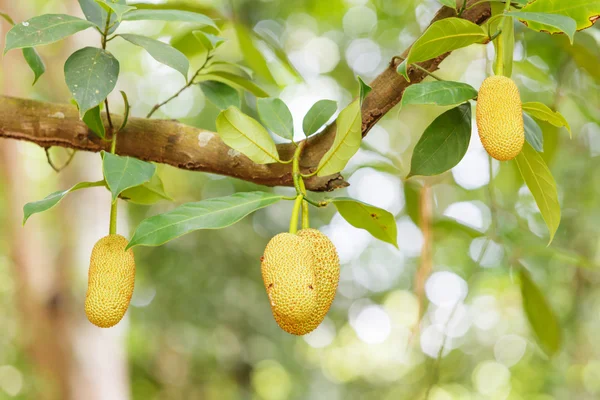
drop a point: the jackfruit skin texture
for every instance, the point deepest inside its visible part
(111, 280)
(500, 118)
(301, 274)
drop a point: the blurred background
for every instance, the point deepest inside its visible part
(440, 318)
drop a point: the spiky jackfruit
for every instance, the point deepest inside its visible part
(500, 118)
(301, 274)
(110, 281)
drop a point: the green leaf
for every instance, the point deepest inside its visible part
(91, 74)
(560, 22)
(122, 173)
(161, 52)
(35, 62)
(444, 142)
(443, 36)
(98, 15)
(94, 121)
(208, 40)
(117, 8)
(127, 111)
(448, 3)
(544, 113)
(378, 222)
(402, 69)
(450, 226)
(229, 68)
(169, 15)
(148, 193)
(364, 89)
(7, 18)
(276, 116)
(45, 29)
(53, 199)
(213, 213)
(540, 182)
(541, 317)
(584, 12)
(253, 57)
(439, 93)
(318, 115)
(246, 135)
(533, 133)
(221, 95)
(505, 46)
(346, 143)
(233, 80)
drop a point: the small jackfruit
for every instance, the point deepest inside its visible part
(500, 118)
(300, 273)
(111, 279)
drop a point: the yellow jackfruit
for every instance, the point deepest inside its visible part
(300, 273)
(110, 281)
(500, 118)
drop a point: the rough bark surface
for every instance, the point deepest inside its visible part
(186, 147)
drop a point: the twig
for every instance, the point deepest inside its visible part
(65, 165)
(426, 264)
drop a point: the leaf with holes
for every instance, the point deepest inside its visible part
(542, 186)
(91, 74)
(559, 22)
(221, 95)
(439, 93)
(444, 143)
(346, 143)
(377, 221)
(121, 173)
(276, 116)
(533, 133)
(45, 29)
(318, 115)
(544, 113)
(213, 213)
(246, 135)
(53, 199)
(161, 52)
(542, 319)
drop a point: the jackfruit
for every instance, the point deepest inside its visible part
(111, 279)
(300, 273)
(500, 118)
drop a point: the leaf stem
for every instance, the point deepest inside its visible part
(295, 213)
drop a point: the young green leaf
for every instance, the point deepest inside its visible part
(364, 89)
(209, 41)
(121, 173)
(276, 116)
(98, 15)
(45, 29)
(544, 113)
(560, 22)
(584, 12)
(542, 186)
(541, 317)
(253, 57)
(441, 37)
(533, 133)
(378, 222)
(246, 135)
(91, 74)
(53, 199)
(35, 62)
(169, 15)
(116, 8)
(161, 52)
(318, 115)
(233, 80)
(346, 143)
(148, 193)
(126, 112)
(444, 142)
(448, 3)
(221, 95)
(229, 68)
(94, 121)
(7, 18)
(439, 93)
(213, 213)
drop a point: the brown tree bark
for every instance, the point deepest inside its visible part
(185, 147)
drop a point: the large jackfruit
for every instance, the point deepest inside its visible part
(110, 281)
(301, 274)
(500, 118)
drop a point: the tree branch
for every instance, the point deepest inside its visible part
(186, 147)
